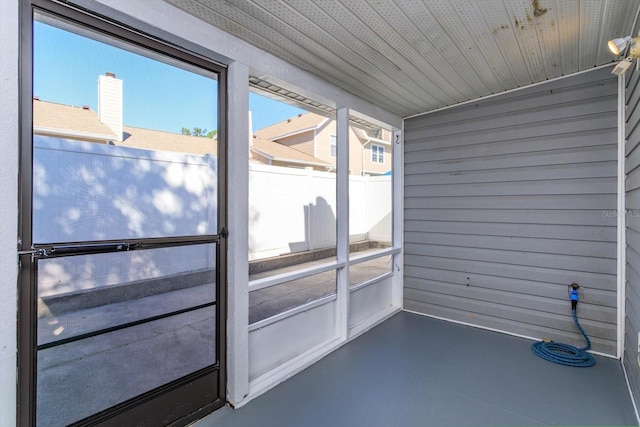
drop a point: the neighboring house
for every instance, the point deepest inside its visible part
(307, 140)
(106, 127)
(273, 153)
(82, 123)
(66, 121)
(315, 135)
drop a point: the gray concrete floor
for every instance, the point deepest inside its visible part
(417, 371)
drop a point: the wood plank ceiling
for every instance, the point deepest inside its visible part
(413, 56)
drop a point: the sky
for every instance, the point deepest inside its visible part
(155, 95)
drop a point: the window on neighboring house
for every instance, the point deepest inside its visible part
(332, 147)
(377, 153)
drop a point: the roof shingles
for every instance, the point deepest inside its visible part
(290, 126)
(80, 123)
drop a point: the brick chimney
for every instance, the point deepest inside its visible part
(110, 103)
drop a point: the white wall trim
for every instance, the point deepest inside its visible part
(285, 371)
(371, 281)
(238, 240)
(486, 328)
(633, 400)
(367, 324)
(358, 259)
(397, 176)
(342, 221)
(9, 144)
(482, 98)
(278, 279)
(266, 382)
(621, 266)
(291, 312)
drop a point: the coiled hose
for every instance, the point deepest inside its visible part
(566, 354)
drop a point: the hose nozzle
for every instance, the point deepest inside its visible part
(573, 295)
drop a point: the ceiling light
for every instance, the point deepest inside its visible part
(617, 46)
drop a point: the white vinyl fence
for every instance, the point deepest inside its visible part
(85, 191)
(89, 192)
(294, 210)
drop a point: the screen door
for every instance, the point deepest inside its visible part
(123, 253)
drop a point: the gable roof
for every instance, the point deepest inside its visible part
(67, 120)
(282, 153)
(298, 124)
(82, 122)
(150, 139)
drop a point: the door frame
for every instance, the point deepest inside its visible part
(172, 403)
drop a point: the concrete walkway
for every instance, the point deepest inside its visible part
(78, 379)
(268, 302)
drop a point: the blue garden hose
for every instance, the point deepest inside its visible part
(566, 354)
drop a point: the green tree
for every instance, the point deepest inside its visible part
(202, 133)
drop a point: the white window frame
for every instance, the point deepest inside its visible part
(377, 154)
(333, 150)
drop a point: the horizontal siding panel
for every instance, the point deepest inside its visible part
(538, 115)
(548, 246)
(506, 324)
(518, 300)
(633, 254)
(595, 329)
(633, 242)
(548, 231)
(632, 202)
(590, 138)
(633, 135)
(567, 186)
(633, 218)
(519, 194)
(632, 161)
(548, 202)
(517, 216)
(632, 95)
(603, 282)
(602, 169)
(567, 262)
(632, 323)
(486, 110)
(633, 318)
(588, 295)
(632, 180)
(632, 123)
(632, 105)
(543, 158)
(530, 130)
(633, 293)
